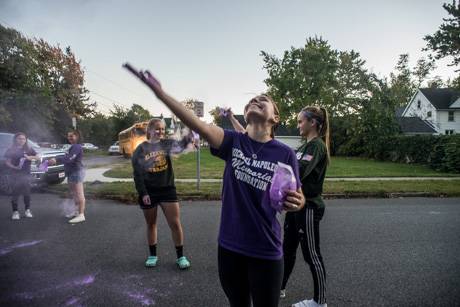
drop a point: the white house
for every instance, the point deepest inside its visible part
(432, 111)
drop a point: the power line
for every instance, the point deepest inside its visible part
(113, 82)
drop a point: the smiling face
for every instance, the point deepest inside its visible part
(304, 124)
(261, 108)
(157, 131)
(72, 138)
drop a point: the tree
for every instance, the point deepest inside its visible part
(445, 42)
(123, 118)
(96, 128)
(304, 76)
(41, 86)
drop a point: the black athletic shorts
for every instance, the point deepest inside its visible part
(159, 195)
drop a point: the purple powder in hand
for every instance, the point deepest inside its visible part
(21, 162)
(43, 167)
(283, 180)
(223, 112)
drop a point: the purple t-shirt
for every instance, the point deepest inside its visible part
(16, 154)
(73, 160)
(249, 224)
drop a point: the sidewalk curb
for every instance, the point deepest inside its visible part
(132, 200)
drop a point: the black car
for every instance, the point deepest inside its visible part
(53, 175)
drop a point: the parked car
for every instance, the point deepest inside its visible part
(115, 149)
(52, 175)
(89, 146)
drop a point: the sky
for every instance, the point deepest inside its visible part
(210, 50)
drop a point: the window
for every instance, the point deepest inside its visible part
(451, 116)
(449, 132)
(419, 104)
(428, 114)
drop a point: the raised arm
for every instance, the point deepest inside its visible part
(213, 134)
(235, 123)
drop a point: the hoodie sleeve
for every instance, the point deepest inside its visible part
(138, 171)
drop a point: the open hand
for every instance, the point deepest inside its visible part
(147, 78)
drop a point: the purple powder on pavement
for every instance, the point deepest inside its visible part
(86, 280)
(141, 298)
(72, 301)
(9, 249)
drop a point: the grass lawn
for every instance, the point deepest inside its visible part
(212, 167)
(125, 191)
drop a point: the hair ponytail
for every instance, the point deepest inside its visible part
(324, 132)
(321, 116)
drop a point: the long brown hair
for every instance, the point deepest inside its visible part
(275, 109)
(26, 145)
(152, 123)
(321, 116)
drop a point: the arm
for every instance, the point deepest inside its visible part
(10, 165)
(309, 161)
(213, 134)
(138, 173)
(235, 123)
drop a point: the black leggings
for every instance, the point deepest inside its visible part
(21, 186)
(303, 227)
(243, 278)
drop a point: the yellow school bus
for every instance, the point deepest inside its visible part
(130, 138)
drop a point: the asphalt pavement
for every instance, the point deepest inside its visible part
(378, 252)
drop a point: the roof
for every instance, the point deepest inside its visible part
(280, 131)
(441, 98)
(414, 125)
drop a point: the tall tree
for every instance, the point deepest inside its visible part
(445, 42)
(303, 76)
(41, 86)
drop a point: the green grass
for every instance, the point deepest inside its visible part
(212, 167)
(125, 191)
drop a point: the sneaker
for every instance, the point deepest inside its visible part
(72, 215)
(151, 261)
(78, 219)
(309, 303)
(15, 215)
(283, 293)
(28, 213)
(183, 263)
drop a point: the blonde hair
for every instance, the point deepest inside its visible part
(321, 116)
(152, 123)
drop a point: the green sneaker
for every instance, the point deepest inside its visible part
(151, 261)
(183, 263)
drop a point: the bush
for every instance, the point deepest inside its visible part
(439, 152)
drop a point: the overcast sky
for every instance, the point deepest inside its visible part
(210, 50)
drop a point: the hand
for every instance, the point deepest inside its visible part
(229, 112)
(295, 200)
(147, 78)
(52, 161)
(146, 200)
(29, 158)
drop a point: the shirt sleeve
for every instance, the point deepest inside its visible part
(310, 159)
(138, 171)
(75, 154)
(8, 154)
(225, 149)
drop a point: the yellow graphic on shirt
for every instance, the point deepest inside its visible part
(156, 161)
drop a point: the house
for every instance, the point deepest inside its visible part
(287, 135)
(431, 111)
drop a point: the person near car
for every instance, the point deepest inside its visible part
(75, 173)
(19, 158)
